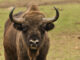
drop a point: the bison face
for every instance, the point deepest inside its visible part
(33, 27)
(33, 31)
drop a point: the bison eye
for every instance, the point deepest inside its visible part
(18, 26)
(21, 27)
(25, 28)
(42, 29)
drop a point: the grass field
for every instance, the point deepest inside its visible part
(64, 39)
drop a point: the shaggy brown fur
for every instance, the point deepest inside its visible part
(15, 45)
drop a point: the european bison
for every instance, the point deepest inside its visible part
(25, 35)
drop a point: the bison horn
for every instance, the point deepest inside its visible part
(15, 19)
(52, 19)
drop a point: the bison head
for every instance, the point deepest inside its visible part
(33, 26)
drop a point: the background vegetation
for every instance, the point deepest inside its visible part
(64, 39)
(22, 3)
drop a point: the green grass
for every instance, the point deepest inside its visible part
(64, 42)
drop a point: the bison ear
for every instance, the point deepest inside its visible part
(49, 26)
(18, 26)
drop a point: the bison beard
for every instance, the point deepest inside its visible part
(33, 54)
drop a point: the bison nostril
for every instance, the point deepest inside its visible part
(37, 42)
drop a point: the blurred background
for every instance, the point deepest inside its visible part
(22, 3)
(64, 38)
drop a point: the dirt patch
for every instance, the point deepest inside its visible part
(0, 54)
(0, 26)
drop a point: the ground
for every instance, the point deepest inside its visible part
(64, 39)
